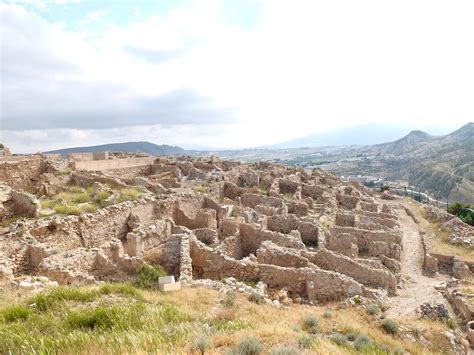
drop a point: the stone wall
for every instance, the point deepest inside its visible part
(100, 165)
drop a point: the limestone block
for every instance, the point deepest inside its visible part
(165, 280)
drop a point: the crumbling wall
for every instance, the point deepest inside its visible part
(20, 174)
(366, 275)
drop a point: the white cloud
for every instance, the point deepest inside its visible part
(92, 16)
(308, 66)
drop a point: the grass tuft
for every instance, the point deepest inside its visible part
(311, 324)
(390, 326)
(248, 346)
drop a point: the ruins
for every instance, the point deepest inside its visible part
(301, 236)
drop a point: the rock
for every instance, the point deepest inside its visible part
(434, 312)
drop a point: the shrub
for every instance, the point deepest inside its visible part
(286, 350)
(202, 344)
(67, 210)
(310, 324)
(361, 342)
(351, 336)
(373, 309)
(390, 326)
(1, 146)
(248, 346)
(15, 313)
(256, 298)
(47, 204)
(327, 314)
(229, 299)
(148, 276)
(339, 339)
(306, 341)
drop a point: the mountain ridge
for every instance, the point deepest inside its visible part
(127, 147)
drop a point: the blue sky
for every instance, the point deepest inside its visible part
(229, 73)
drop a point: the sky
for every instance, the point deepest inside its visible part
(229, 73)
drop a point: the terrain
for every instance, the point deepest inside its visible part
(128, 147)
(204, 255)
(441, 166)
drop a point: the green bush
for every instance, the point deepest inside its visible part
(1, 146)
(390, 326)
(248, 346)
(286, 350)
(256, 298)
(148, 276)
(16, 313)
(310, 324)
(339, 339)
(129, 194)
(464, 211)
(373, 309)
(361, 341)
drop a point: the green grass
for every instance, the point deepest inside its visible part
(71, 320)
(67, 210)
(78, 200)
(128, 194)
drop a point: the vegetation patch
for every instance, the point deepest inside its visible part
(147, 276)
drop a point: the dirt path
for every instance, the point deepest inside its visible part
(415, 288)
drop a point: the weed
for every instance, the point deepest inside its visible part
(248, 346)
(339, 339)
(373, 309)
(327, 314)
(67, 210)
(202, 344)
(129, 194)
(229, 299)
(16, 313)
(361, 341)
(148, 276)
(306, 341)
(310, 324)
(81, 198)
(390, 326)
(256, 298)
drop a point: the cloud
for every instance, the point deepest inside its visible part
(295, 69)
(92, 16)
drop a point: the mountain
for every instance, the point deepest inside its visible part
(366, 134)
(442, 165)
(128, 147)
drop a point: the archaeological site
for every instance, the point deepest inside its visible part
(281, 236)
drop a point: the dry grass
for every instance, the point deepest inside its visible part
(196, 311)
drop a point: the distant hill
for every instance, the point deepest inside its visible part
(128, 147)
(443, 165)
(366, 134)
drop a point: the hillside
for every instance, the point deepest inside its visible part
(442, 165)
(128, 147)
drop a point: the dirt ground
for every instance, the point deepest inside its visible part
(415, 288)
